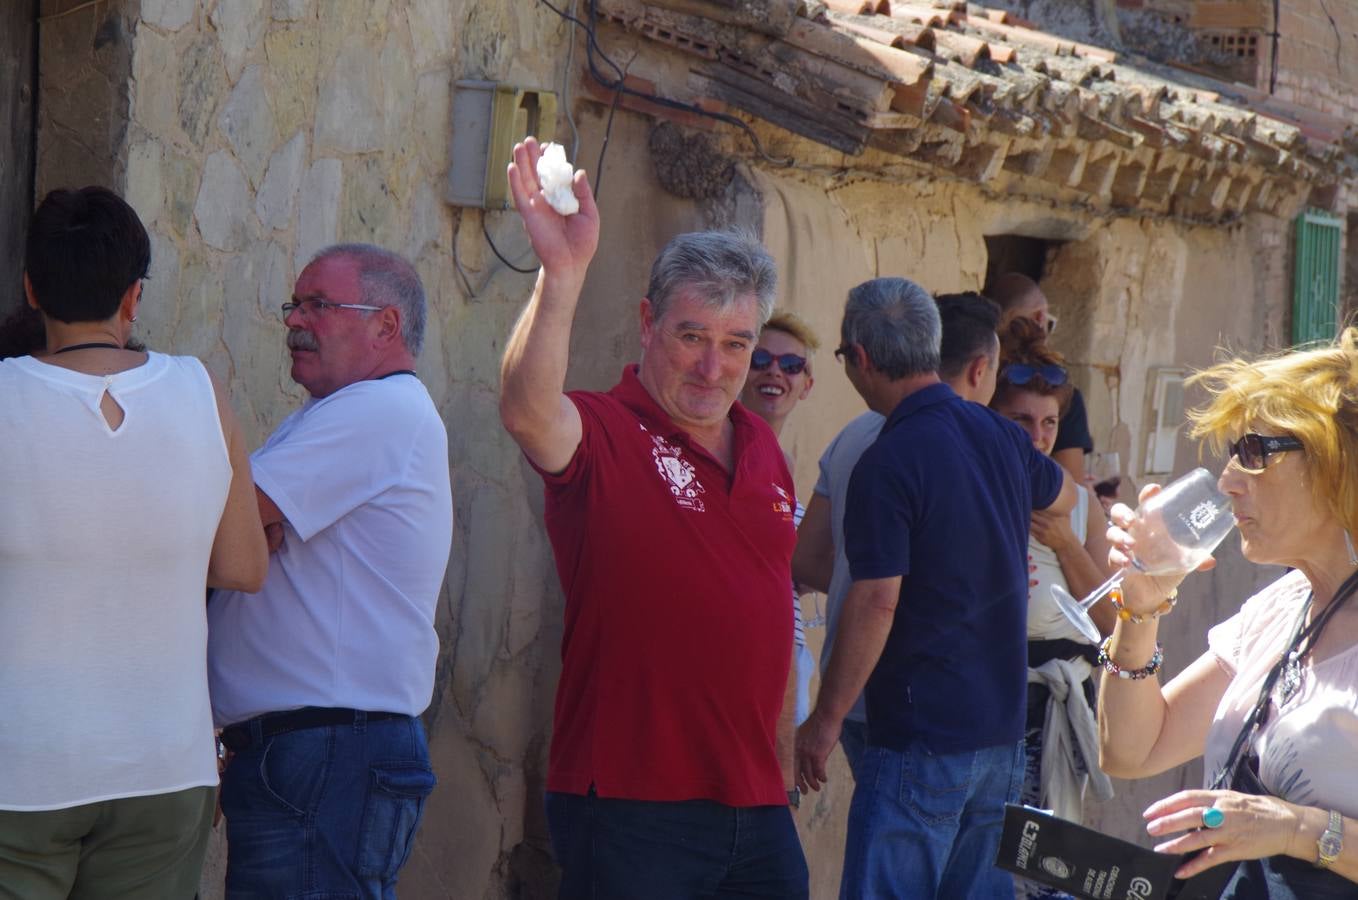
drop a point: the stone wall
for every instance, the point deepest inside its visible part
(248, 133)
(1318, 56)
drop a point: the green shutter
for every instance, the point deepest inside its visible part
(1315, 293)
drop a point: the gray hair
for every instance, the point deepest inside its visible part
(718, 266)
(387, 279)
(897, 324)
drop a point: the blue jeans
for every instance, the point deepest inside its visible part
(627, 849)
(329, 811)
(926, 825)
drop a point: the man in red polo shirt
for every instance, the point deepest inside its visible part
(670, 513)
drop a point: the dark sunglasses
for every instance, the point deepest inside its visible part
(790, 363)
(1020, 374)
(1252, 451)
(842, 351)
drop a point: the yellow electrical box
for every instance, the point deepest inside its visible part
(489, 118)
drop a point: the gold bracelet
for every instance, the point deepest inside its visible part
(1126, 615)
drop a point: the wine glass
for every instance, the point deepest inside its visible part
(1176, 531)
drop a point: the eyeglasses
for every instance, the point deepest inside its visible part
(1019, 374)
(842, 351)
(1252, 451)
(1051, 323)
(790, 363)
(312, 305)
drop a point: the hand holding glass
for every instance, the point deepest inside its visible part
(1176, 531)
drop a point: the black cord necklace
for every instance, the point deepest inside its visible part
(90, 346)
(397, 372)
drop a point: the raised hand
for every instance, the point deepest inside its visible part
(564, 244)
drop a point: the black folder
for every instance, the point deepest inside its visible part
(1084, 863)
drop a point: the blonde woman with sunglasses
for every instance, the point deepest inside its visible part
(1272, 706)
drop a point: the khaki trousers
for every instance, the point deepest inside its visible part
(147, 848)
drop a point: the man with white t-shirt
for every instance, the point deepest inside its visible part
(318, 679)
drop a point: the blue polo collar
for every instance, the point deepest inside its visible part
(928, 396)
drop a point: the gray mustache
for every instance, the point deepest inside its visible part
(301, 340)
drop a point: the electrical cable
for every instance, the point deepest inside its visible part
(485, 230)
(603, 148)
(592, 47)
(566, 89)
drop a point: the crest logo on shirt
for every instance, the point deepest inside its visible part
(784, 504)
(679, 474)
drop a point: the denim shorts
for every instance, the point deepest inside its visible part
(328, 811)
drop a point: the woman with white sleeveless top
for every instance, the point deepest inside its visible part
(1061, 739)
(128, 491)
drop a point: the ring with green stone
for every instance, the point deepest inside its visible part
(1213, 817)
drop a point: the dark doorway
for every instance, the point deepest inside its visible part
(1015, 253)
(18, 93)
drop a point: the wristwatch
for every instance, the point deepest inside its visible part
(794, 799)
(1331, 842)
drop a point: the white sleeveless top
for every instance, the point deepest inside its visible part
(105, 537)
(1045, 620)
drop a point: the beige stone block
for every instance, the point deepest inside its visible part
(155, 102)
(294, 55)
(349, 114)
(283, 178)
(158, 311)
(292, 10)
(318, 208)
(254, 337)
(198, 316)
(427, 219)
(143, 190)
(201, 87)
(179, 176)
(170, 15)
(398, 87)
(431, 30)
(433, 109)
(345, 19)
(247, 122)
(225, 209)
(239, 24)
(368, 210)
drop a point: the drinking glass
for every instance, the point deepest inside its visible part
(1176, 531)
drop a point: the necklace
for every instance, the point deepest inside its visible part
(90, 346)
(1289, 676)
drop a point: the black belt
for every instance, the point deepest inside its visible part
(242, 735)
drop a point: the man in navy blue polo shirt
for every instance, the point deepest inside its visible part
(936, 532)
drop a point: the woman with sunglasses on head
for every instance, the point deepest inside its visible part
(1020, 297)
(1271, 705)
(779, 379)
(1032, 390)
